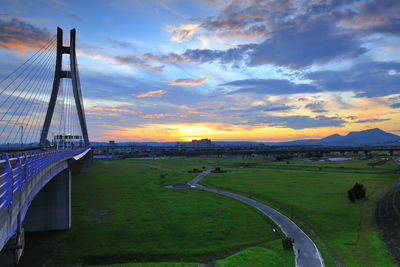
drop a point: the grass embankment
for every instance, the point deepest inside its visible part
(122, 213)
(316, 194)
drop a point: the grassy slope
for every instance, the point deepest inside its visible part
(319, 198)
(122, 213)
(268, 254)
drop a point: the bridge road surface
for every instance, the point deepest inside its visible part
(309, 255)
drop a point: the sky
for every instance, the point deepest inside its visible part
(255, 70)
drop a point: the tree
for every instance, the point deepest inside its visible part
(357, 192)
(351, 196)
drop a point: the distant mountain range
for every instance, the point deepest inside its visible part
(362, 138)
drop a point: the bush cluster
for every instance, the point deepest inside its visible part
(357, 192)
(218, 170)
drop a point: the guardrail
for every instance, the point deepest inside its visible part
(14, 171)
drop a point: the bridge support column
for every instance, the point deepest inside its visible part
(12, 251)
(51, 208)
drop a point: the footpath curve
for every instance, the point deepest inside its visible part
(309, 254)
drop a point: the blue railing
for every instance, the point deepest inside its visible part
(21, 168)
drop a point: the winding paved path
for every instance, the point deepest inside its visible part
(309, 254)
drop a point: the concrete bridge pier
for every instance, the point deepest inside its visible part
(51, 208)
(12, 251)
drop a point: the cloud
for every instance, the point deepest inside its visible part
(279, 108)
(137, 62)
(167, 58)
(232, 55)
(269, 86)
(295, 34)
(238, 15)
(75, 16)
(120, 44)
(183, 32)
(310, 42)
(157, 116)
(190, 82)
(316, 107)
(18, 36)
(395, 105)
(367, 79)
(252, 32)
(297, 122)
(156, 93)
(267, 108)
(113, 109)
(372, 120)
(377, 16)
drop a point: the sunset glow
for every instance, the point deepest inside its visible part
(223, 70)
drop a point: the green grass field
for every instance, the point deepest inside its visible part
(315, 193)
(121, 213)
(123, 216)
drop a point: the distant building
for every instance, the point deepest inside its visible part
(196, 143)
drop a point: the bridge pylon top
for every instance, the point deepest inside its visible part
(73, 74)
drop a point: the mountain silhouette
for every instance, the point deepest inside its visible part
(362, 138)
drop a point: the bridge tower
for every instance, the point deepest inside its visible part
(35, 186)
(59, 74)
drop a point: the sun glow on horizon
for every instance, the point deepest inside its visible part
(217, 131)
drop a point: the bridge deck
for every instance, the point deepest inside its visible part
(21, 178)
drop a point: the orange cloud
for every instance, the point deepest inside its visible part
(112, 109)
(157, 116)
(156, 93)
(103, 114)
(190, 82)
(18, 36)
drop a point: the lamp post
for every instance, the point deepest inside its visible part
(22, 135)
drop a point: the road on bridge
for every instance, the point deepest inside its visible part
(309, 254)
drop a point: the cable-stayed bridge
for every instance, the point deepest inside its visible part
(43, 133)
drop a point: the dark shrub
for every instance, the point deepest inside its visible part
(357, 192)
(351, 196)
